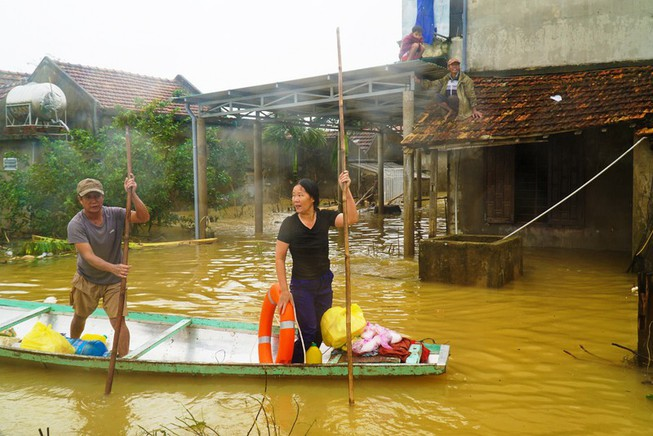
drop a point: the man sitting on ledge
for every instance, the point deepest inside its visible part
(454, 92)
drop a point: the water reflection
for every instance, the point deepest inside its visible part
(534, 357)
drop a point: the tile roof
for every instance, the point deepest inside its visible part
(12, 77)
(524, 106)
(113, 88)
(364, 139)
(9, 79)
(645, 131)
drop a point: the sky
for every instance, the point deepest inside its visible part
(216, 45)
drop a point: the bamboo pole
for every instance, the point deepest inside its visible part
(343, 167)
(123, 282)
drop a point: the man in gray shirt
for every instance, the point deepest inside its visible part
(97, 231)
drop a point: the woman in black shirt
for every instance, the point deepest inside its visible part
(306, 234)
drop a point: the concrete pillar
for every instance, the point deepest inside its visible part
(409, 172)
(433, 194)
(642, 253)
(202, 190)
(258, 178)
(380, 140)
(452, 192)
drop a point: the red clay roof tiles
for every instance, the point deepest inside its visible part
(9, 79)
(364, 139)
(526, 106)
(113, 88)
(12, 77)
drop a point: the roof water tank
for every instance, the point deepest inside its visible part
(48, 102)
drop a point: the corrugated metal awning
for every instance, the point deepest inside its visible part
(372, 95)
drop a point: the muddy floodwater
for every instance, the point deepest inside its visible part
(534, 357)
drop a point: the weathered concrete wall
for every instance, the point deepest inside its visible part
(470, 165)
(512, 34)
(475, 260)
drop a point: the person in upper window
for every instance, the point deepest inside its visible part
(454, 92)
(412, 45)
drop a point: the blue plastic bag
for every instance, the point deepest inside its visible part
(88, 348)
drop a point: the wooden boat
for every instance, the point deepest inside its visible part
(137, 245)
(183, 345)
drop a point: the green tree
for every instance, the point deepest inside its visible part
(148, 165)
(297, 140)
(41, 199)
(51, 184)
(158, 122)
(227, 164)
(13, 207)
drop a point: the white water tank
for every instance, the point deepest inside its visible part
(46, 101)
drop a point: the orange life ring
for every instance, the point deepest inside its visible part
(286, 329)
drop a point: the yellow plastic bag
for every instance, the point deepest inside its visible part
(43, 338)
(334, 325)
(94, 337)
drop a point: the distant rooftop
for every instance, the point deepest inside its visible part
(364, 140)
(12, 77)
(113, 88)
(9, 79)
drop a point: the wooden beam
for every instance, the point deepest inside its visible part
(433, 195)
(418, 178)
(644, 318)
(21, 318)
(152, 343)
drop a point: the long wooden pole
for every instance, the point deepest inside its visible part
(343, 167)
(125, 260)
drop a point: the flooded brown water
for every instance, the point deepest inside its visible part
(534, 357)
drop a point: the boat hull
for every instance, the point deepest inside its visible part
(170, 344)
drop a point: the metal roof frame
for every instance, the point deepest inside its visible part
(371, 96)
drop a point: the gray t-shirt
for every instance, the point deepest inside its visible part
(105, 241)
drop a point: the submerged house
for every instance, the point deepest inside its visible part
(566, 93)
(544, 134)
(86, 98)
